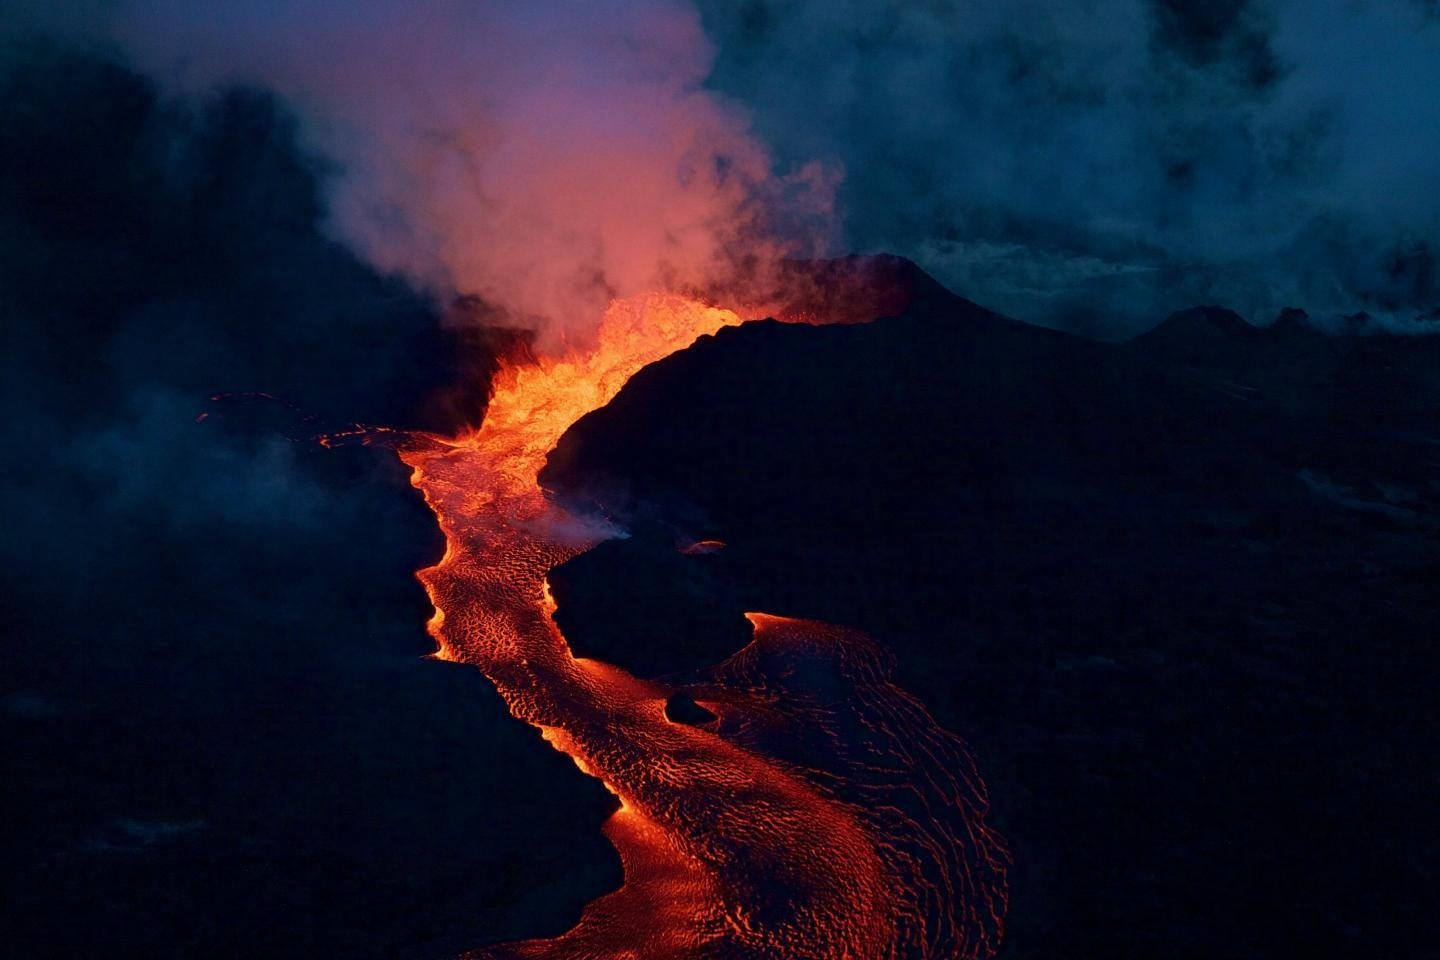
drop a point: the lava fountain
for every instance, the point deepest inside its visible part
(821, 814)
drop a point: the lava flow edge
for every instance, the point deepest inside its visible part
(801, 822)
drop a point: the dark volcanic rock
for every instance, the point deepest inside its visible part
(682, 708)
(1198, 324)
(1178, 593)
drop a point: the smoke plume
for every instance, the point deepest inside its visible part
(1091, 164)
(1098, 164)
(543, 156)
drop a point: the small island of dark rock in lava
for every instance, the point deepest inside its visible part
(468, 496)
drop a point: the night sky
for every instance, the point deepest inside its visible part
(222, 736)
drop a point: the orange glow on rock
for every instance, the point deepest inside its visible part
(702, 548)
(801, 824)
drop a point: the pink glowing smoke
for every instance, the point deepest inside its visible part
(546, 156)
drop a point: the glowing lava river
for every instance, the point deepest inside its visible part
(821, 813)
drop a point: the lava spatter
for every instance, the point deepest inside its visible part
(822, 814)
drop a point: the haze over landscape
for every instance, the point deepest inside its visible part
(1098, 413)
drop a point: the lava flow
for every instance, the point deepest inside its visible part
(820, 813)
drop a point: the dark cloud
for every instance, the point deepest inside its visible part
(1225, 33)
(1100, 164)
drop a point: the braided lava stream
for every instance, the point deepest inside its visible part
(822, 813)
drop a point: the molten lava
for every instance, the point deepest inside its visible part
(822, 814)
